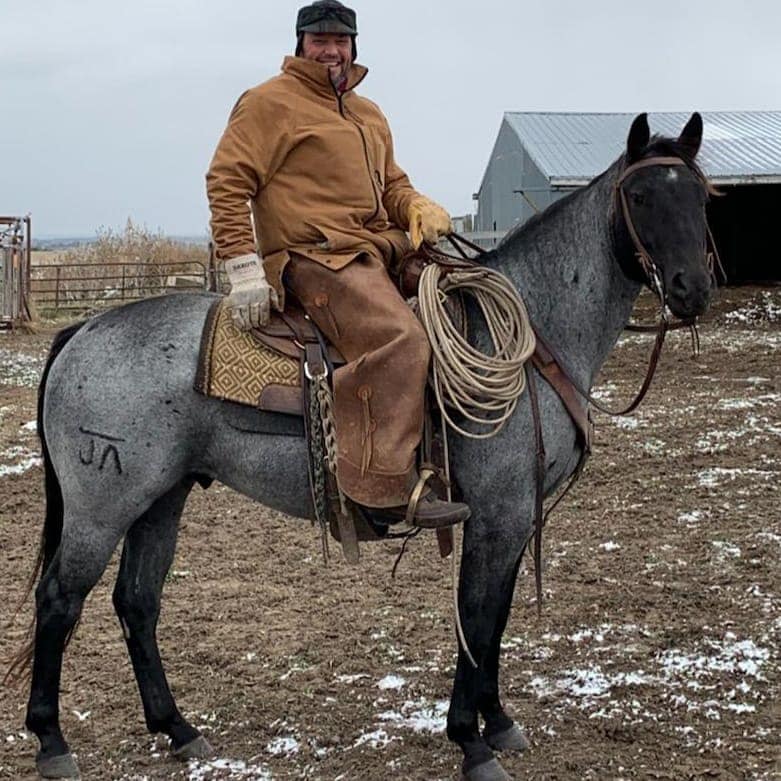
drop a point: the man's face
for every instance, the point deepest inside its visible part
(333, 50)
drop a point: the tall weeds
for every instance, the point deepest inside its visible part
(116, 267)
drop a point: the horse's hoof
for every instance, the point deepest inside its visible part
(511, 739)
(63, 766)
(488, 771)
(195, 749)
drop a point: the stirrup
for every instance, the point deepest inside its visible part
(426, 473)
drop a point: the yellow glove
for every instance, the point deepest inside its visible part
(427, 222)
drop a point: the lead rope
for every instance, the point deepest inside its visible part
(483, 388)
(454, 563)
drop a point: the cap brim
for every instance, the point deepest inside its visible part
(327, 26)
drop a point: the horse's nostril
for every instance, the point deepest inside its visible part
(678, 282)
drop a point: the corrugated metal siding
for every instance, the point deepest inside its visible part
(737, 145)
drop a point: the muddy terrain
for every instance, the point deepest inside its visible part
(656, 657)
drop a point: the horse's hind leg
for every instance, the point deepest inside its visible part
(146, 558)
(77, 566)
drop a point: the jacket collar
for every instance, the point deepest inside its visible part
(315, 75)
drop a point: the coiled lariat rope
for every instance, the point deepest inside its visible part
(484, 389)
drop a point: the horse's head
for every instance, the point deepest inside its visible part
(661, 195)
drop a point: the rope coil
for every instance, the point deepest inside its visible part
(483, 388)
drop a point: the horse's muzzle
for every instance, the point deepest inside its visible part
(688, 294)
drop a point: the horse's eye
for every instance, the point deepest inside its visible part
(638, 198)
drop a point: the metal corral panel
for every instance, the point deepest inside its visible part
(739, 147)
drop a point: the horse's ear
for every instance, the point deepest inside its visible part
(691, 135)
(639, 136)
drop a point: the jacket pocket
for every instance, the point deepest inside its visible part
(330, 240)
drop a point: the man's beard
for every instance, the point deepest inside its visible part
(338, 77)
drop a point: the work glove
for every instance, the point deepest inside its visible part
(251, 296)
(427, 222)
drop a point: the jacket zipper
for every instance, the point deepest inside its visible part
(365, 154)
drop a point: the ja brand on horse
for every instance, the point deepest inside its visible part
(153, 437)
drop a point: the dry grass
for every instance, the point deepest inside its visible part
(116, 267)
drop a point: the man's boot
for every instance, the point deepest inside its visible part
(431, 513)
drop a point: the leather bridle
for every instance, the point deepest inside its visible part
(647, 264)
(654, 280)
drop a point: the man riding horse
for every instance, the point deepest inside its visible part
(330, 205)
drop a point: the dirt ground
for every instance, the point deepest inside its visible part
(657, 655)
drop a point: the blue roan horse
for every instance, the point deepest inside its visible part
(125, 437)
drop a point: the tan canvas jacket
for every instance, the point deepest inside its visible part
(317, 169)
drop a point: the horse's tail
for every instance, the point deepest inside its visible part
(51, 534)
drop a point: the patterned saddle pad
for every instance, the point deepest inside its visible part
(234, 366)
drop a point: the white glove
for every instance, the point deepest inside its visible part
(251, 295)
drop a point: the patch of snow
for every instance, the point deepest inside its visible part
(283, 747)
(20, 369)
(586, 634)
(391, 682)
(587, 684)
(379, 738)
(29, 459)
(234, 768)
(730, 656)
(712, 477)
(726, 548)
(31, 426)
(605, 391)
(764, 309)
(744, 340)
(609, 546)
(296, 668)
(656, 447)
(691, 518)
(419, 716)
(630, 424)
(741, 707)
(769, 536)
(351, 678)
(735, 404)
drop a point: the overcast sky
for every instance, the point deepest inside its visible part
(111, 109)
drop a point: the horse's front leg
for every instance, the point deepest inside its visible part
(500, 731)
(491, 557)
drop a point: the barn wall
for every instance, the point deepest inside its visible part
(511, 168)
(496, 207)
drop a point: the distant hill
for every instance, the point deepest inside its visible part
(55, 243)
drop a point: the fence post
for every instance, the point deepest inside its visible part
(212, 269)
(57, 289)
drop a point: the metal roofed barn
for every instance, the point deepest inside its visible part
(539, 157)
